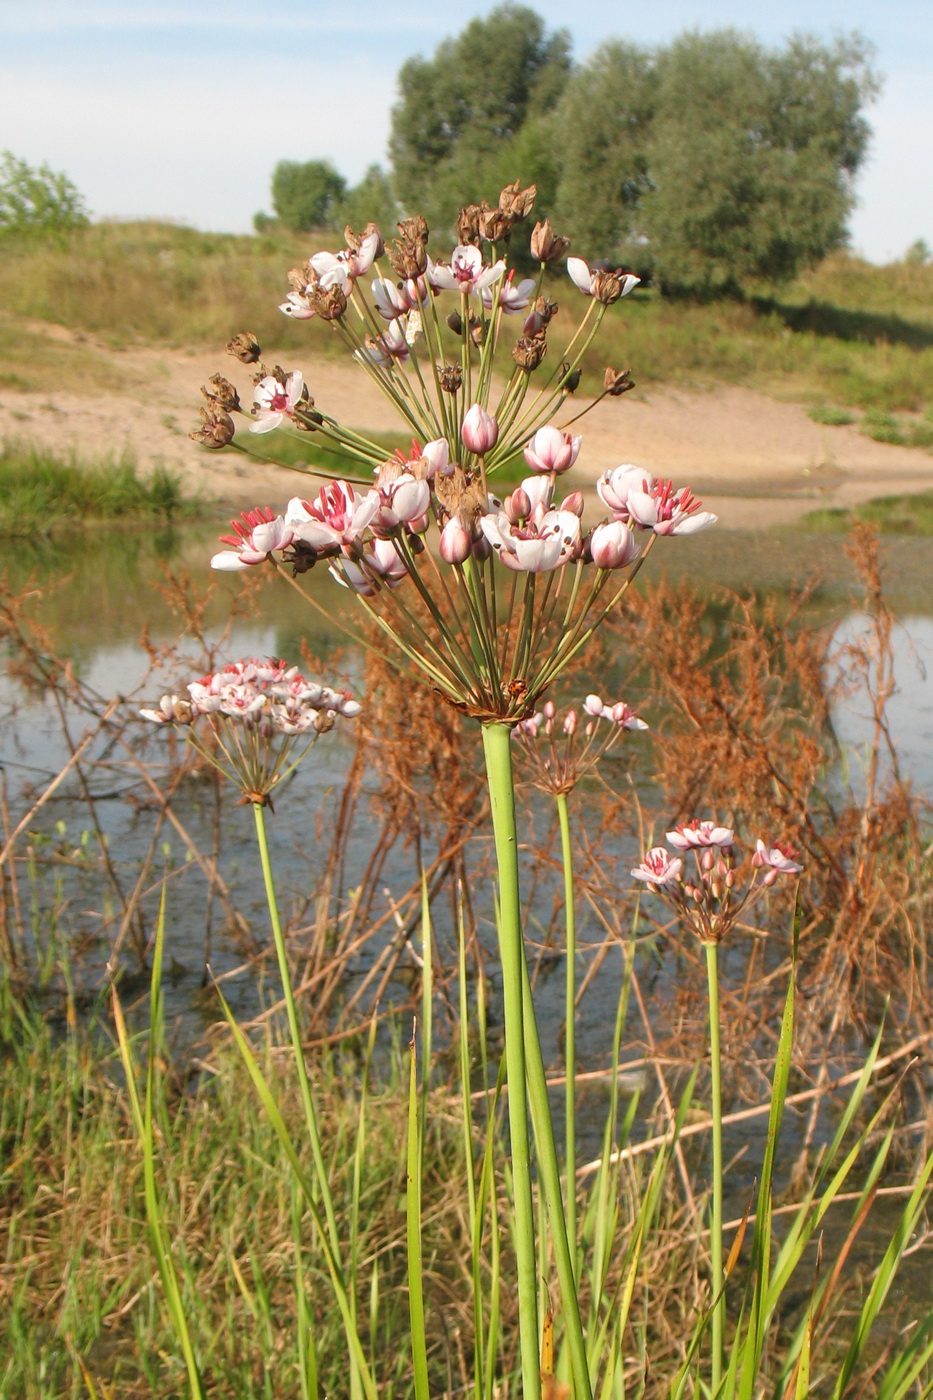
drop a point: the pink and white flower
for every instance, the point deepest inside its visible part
(691, 835)
(342, 269)
(586, 278)
(272, 401)
(552, 450)
(777, 859)
(617, 712)
(668, 512)
(465, 272)
(297, 306)
(387, 348)
(547, 539)
(513, 296)
(379, 563)
(391, 301)
(172, 710)
(256, 534)
(337, 520)
(612, 545)
(659, 868)
(615, 485)
(437, 456)
(402, 501)
(480, 431)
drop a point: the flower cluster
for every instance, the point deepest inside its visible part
(255, 711)
(428, 331)
(706, 896)
(562, 750)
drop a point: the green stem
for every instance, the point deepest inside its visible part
(715, 1251)
(496, 742)
(570, 1039)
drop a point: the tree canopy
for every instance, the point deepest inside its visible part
(37, 201)
(304, 194)
(713, 160)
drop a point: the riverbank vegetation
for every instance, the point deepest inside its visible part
(42, 493)
(846, 335)
(741, 693)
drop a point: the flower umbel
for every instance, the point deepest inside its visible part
(561, 750)
(709, 899)
(256, 714)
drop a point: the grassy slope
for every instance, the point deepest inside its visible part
(847, 333)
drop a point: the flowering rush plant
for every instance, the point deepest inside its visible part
(703, 890)
(563, 749)
(261, 718)
(487, 597)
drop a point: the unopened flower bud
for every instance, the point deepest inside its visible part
(612, 545)
(455, 545)
(244, 347)
(617, 381)
(550, 709)
(707, 859)
(518, 505)
(574, 503)
(221, 393)
(570, 722)
(480, 431)
(546, 245)
(730, 879)
(770, 876)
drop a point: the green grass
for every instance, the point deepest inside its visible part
(830, 415)
(891, 515)
(41, 492)
(847, 334)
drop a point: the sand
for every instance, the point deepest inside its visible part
(754, 459)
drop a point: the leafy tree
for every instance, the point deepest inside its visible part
(469, 114)
(372, 199)
(752, 157)
(304, 195)
(37, 201)
(603, 130)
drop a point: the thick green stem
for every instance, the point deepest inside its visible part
(570, 1038)
(715, 1246)
(496, 742)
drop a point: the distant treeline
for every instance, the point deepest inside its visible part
(708, 163)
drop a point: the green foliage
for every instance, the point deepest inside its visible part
(372, 200)
(910, 514)
(831, 415)
(918, 253)
(37, 202)
(41, 492)
(304, 195)
(767, 189)
(715, 161)
(457, 124)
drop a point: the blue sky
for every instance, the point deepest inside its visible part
(181, 110)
